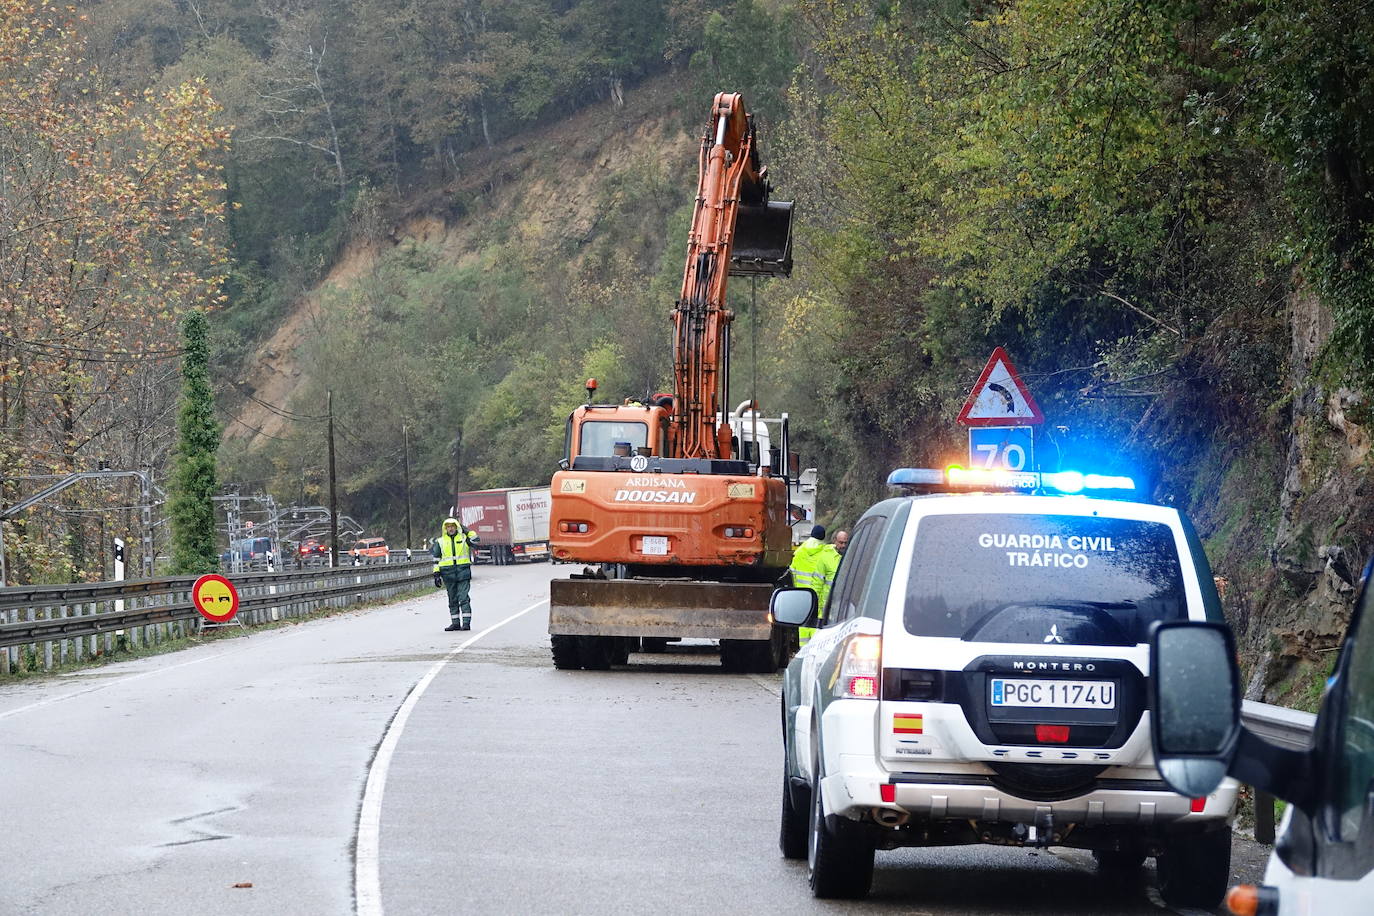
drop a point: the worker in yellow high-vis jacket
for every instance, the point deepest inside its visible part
(814, 564)
(452, 553)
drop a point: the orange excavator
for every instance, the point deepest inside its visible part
(679, 506)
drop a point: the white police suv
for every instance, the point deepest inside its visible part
(980, 677)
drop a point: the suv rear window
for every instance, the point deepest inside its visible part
(1042, 579)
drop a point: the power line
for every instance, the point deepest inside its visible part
(279, 411)
(256, 430)
(102, 356)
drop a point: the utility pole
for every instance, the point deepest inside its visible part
(405, 436)
(754, 370)
(333, 496)
(146, 522)
(235, 535)
(277, 552)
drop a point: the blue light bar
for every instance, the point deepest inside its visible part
(916, 477)
(955, 479)
(1108, 482)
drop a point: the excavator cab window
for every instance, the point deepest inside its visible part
(598, 437)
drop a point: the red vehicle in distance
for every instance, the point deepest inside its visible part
(311, 547)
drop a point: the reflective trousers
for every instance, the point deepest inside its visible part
(458, 583)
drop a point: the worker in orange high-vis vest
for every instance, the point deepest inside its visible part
(814, 564)
(452, 553)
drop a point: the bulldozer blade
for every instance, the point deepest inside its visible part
(762, 244)
(654, 607)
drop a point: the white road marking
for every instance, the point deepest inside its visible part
(771, 683)
(116, 683)
(367, 875)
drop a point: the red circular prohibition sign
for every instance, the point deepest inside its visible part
(215, 598)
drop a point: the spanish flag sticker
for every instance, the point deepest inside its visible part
(906, 724)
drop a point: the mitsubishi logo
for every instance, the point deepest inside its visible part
(1054, 634)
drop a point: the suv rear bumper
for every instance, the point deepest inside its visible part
(855, 777)
(855, 791)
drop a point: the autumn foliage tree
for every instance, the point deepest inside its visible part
(111, 213)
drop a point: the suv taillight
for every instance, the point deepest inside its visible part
(859, 668)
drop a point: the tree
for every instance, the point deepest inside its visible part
(298, 106)
(751, 49)
(111, 223)
(193, 468)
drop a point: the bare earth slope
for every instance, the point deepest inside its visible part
(545, 189)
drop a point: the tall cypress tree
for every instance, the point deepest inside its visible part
(194, 481)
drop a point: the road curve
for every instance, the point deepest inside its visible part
(156, 786)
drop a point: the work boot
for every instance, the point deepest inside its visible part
(454, 626)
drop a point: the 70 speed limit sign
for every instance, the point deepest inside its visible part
(1001, 448)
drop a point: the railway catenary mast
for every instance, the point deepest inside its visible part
(688, 533)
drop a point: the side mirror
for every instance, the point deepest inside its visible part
(793, 607)
(1194, 694)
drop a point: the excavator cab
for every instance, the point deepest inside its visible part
(594, 429)
(762, 245)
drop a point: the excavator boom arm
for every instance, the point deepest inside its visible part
(732, 202)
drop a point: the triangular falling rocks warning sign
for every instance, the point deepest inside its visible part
(1000, 398)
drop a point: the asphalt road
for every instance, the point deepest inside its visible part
(306, 761)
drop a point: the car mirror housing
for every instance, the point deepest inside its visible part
(793, 607)
(1194, 694)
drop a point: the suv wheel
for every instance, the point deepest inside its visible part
(840, 857)
(567, 654)
(1195, 868)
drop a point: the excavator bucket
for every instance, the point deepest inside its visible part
(653, 607)
(763, 240)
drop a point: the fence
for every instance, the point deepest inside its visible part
(293, 560)
(60, 623)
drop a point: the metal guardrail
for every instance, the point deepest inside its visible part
(56, 623)
(293, 560)
(1290, 728)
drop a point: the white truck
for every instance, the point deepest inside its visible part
(512, 523)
